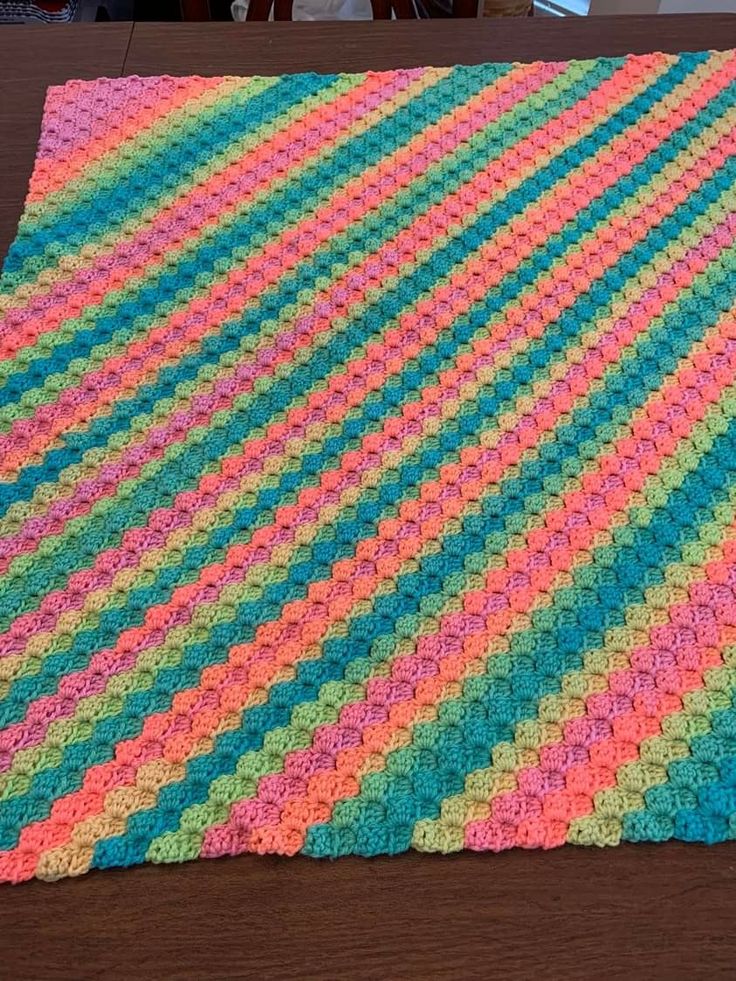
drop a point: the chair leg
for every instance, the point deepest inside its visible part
(195, 10)
(258, 9)
(282, 9)
(381, 9)
(464, 8)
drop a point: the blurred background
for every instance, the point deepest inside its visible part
(60, 11)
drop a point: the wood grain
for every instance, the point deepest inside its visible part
(257, 48)
(641, 912)
(645, 912)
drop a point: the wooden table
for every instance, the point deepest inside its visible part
(641, 912)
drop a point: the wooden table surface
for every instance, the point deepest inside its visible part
(643, 912)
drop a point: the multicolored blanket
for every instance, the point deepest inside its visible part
(368, 465)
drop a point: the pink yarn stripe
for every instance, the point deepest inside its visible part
(392, 256)
(573, 770)
(73, 686)
(77, 807)
(108, 662)
(68, 149)
(62, 135)
(98, 777)
(585, 513)
(608, 176)
(197, 209)
(404, 240)
(102, 387)
(240, 181)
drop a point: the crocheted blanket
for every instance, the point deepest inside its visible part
(367, 465)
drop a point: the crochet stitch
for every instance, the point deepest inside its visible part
(367, 468)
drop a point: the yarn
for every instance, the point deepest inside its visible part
(367, 465)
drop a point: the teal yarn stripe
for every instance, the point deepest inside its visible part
(375, 410)
(275, 214)
(418, 777)
(106, 529)
(363, 632)
(147, 178)
(699, 801)
(378, 229)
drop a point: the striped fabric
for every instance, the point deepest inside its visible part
(367, 465)
(32, 11)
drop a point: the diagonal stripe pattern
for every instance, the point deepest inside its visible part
(366, 465)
